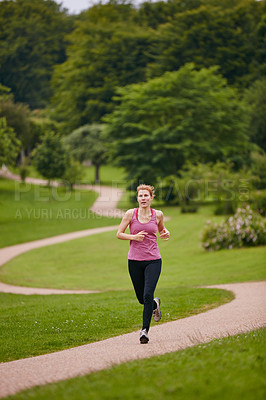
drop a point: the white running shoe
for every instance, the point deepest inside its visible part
(143, 336)
(157, 313)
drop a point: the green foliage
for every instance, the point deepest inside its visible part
(18, 117)
(183, 115)
(255, 98)
(50, 157)
(201, 183)
(5, 93)
(73, 173)
(246, 228)
(108, 49)
(9, 144)
(32, 41)
(88, 143)
(24, 170)
(258, 168)
(227, 33)
(258, 201)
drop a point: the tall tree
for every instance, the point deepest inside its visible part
(32, 41)
(108, 49)
(255, 98)
(183, 115)
(228, 34)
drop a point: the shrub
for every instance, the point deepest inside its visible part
(225, 208)
(245, 228)
(258, 201)
(189, 209)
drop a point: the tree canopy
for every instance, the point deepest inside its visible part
(107, 50)
(230, 34)
(50, 157)
(9, 144)
(187, 114)
(32, 41)
(88, 144)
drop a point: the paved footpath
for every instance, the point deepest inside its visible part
(246, 312)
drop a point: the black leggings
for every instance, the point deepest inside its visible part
(144, 276)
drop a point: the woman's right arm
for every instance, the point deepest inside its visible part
(123, 226)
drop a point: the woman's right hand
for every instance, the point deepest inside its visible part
(140, 236)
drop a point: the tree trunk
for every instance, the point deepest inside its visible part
(22, 156)
(97, 173)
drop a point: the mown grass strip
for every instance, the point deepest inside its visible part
(33, 325)
(230, 368)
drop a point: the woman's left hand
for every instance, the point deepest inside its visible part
(164, 234)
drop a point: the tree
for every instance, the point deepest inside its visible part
(50, 157)
(108, 49)
(183, 115)
(73, 173)
(227, 33)
(17, 116)
(32, 41)
(255, 98)
(88, 143)
(9, 144)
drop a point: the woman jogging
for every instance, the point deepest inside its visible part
(144, 259)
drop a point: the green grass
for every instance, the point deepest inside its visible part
(230, 368)
(32, 325)
(30, 212)
(82, 263)
(109, 175)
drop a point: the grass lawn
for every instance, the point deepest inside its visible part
(109, 175)
(229, 368)
(32, 325)
(100, 261)
(30, 212)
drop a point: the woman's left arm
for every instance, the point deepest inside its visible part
(163, 232)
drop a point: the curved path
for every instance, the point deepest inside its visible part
(246, 312)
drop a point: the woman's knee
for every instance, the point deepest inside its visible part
(148, 297)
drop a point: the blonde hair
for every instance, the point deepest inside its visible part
(146, 187)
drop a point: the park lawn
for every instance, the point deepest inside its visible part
(99, 262)
(32, 325)
(229, 368)
(109, 175)
(29, 212)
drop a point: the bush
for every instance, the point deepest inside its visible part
(225, 208)
(245, 228)
(258, 202)
(189, 209)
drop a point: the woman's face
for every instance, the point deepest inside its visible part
(144, 198)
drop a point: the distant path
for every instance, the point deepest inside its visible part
(246, 312)
(105, 205)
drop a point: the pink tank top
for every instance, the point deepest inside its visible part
(148, 248)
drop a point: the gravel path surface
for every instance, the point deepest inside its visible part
(246, 312)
